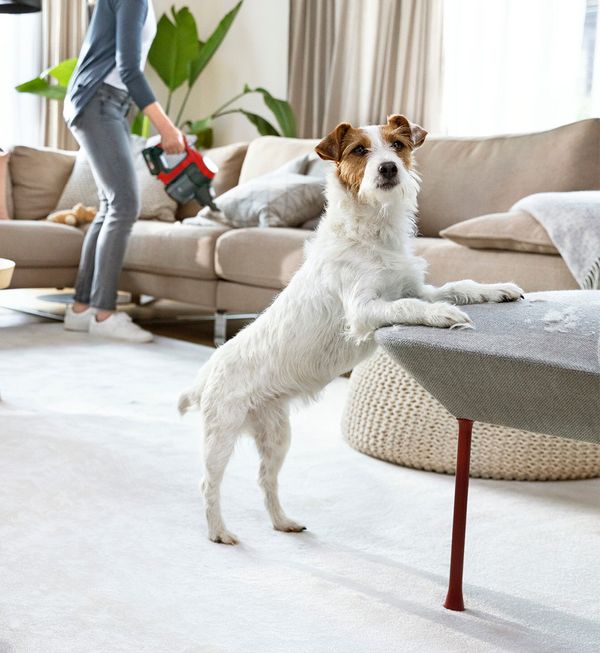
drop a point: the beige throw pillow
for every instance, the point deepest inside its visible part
(517, 232)
(38, 177)
(5, 189)
(81, 187)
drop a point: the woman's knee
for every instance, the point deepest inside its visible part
(126, 205)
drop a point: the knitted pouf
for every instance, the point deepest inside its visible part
(390, 416)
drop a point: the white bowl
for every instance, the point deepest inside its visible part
(6, 271)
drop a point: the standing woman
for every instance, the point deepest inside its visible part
(108, 77)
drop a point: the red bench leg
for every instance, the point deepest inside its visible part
(454, 598)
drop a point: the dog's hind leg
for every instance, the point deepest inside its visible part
(219, 441)
(271, 430)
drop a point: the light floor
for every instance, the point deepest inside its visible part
(103, 545)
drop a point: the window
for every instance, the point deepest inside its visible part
(519, 65)
(20, 60)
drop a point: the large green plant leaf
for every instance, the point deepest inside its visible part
(203, 131)
(212, 44)
(265, 128)
(204, 138)
(141, 125)
(174, 47)
(199, 125)
(281, 110)
(62, 73)
(40, 86)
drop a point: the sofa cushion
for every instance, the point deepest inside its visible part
(81, 187)
(173, 249)
(516, 231)
(267, 153)
(451, 262)
(5, 188)
(229, 159)
(40, 244)
(38, 177)
(286, 197)
(467, 177)
(266, 258)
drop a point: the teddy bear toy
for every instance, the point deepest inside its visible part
(78, 216)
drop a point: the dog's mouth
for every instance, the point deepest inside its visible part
(388, 184)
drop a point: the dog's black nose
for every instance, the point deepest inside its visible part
(388, 169)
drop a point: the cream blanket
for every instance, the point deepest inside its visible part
(572, 221)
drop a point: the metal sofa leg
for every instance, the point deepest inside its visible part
(454, 598)
(220, 329)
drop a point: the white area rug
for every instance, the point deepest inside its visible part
(103, 546)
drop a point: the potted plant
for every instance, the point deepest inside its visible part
(179, 57)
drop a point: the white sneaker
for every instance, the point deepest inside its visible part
(119, 326)
(78, 321)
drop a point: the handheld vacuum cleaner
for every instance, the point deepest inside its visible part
(185, 179)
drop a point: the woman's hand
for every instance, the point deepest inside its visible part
(171, 138)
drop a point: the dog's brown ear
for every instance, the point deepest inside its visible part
(330, 148)
(415, 132)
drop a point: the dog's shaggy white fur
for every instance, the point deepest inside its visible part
(359, 274)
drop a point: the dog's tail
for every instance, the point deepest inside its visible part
(190, 400)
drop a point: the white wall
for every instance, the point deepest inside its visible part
(255, 51)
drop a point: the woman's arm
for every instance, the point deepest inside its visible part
(130, 18)
(171, 139)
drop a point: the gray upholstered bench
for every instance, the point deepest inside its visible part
(532, 365)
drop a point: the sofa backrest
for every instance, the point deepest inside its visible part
(464, 178)
(267, 153)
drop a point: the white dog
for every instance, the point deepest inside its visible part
(359, 274)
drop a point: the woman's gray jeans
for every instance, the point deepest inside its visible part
(103, 133)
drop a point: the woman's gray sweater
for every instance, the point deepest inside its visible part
(114, 38)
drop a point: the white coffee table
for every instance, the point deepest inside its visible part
(6, 271)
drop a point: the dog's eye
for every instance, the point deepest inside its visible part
(360, 150)
(397, 145)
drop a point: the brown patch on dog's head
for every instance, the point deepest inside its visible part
(408, 134)
(347, 147)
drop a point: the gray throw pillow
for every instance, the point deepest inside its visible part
(81, 187)
(287, 197)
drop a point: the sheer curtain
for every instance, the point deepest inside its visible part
(64, 25)
(515, 66)
(360, 60)
(21, 39)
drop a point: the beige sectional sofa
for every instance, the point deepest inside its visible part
(239, 270)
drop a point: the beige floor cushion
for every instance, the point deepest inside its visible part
(173, 249)
(260, 257)
(388, 415)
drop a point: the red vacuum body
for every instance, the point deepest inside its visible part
(188, 179)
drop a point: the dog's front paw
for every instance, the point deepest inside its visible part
(223, 537)
(445, 316)
(504, 292)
